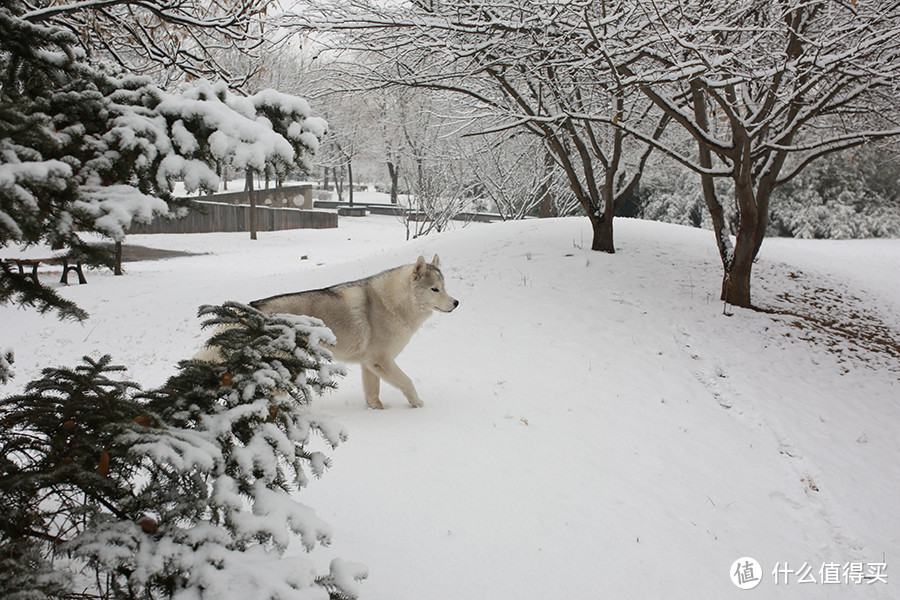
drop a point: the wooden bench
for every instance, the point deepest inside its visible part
(352, 211)
(34, 263)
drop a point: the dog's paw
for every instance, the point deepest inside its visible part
(375, 404)
(417, 403)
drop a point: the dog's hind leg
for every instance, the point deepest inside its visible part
(388, 370)
(371, 387)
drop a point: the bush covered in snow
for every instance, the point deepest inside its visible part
(848, 195)
(181, 492)
(673, 194)
(853, 194)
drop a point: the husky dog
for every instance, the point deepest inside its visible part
(373, 319)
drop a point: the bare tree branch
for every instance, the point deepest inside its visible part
(172, 38)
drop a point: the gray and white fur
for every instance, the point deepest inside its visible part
(373, 319)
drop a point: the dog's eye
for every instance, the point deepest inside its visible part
(435, 290)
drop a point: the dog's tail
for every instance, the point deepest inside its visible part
(210, 352)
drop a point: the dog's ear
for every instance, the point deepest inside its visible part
(419, 268)
(435, 261)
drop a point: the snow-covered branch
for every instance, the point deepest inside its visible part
(528, 65)
(174, 37)
(755, 84)
(187, 491)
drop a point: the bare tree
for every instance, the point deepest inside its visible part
(524, 64)
(350, 129)
(169, 39)
(394, 109)
(435, 171)
(516, 176)
(764, 88)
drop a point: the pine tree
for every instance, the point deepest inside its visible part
(60, 467)
(44, 89)
(58, 174)
(186, 489)
(86, 148)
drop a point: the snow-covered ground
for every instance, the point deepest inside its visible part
(595, 426)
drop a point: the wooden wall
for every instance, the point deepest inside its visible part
(216, 216)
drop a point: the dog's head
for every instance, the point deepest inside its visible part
(429, 284)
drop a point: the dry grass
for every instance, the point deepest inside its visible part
(837, 320)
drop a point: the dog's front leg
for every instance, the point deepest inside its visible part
(371, 387)
(388, 370)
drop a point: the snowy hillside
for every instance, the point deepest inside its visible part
(594, 425)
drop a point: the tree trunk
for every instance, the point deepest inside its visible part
(603, 235)
(253, 222)
(117, 270)
(754, 211)
(350, 180)
(736, 283)
(546, 205)
(394, 173)
(338, 183)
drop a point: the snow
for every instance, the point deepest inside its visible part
(115, 207)
(284, 103)
(195, 174)
(184, 140)
(15, 174)
(594, 425)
